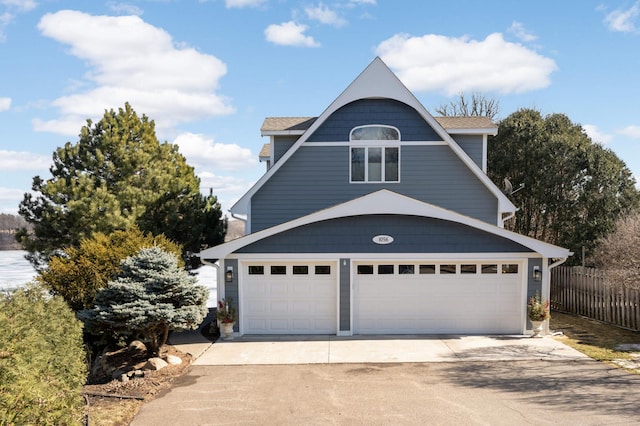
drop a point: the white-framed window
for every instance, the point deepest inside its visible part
(374, 154)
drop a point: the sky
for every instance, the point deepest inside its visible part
(209, 71)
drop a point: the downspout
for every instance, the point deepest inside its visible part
(216, 265)
(241, 219)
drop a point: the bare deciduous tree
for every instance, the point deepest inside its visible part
(618, 253)
(478, 106)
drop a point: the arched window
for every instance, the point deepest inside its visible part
(375, 158)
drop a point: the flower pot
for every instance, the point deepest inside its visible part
(227, 330)
(537, 328)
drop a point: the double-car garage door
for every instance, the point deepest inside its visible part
(387, 297)
(408, 298)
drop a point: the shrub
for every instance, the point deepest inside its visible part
(80, 272)
(42, 362)
(149, 298)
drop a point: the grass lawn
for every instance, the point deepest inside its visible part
(593, 338)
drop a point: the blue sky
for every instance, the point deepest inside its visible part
(209, 71)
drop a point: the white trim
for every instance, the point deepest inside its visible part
(375, 143)
(470, 131)
(282, 132)
(386, 202)
(484, 153)
(375, 257)
(378, 81)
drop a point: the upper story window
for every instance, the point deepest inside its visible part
(377, 156)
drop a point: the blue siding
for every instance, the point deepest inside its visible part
(231, 289)
(345, 295)
(412, 234)
(281, 144)
(315, 178)
(472, 145)
(374, 111)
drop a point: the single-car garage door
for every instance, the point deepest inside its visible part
(289, 298)
(424, 298)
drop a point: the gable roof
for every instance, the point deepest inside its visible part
(386, 202)
(377, 81)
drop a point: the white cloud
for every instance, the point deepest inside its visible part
(289, 34)
(630, 131)
(20, 160)
(517, 29)
(205, 154)
(452, 65)
(5, 19)
(243, 3)
(125, 8)
(228, 189)
(324, 15)
(20, 5)
(596, 135)
(132, 61)
(11, 8)
(622, 20)
(5, 104)
(10, 199)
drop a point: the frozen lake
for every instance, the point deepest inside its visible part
(16, 271)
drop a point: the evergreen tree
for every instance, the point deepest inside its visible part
(574, 189)
(117, 175)
(149, 298)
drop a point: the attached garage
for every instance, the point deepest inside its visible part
(445, 297)
(289, 298)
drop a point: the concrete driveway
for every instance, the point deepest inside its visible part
(413, 380)
(256, 350)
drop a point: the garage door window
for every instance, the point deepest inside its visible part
(323, 270)
(385, 269)
(447, 269)
(365, 269)
(300, 270)
(256, 270)
(468, 269)
(278, 270)
(427, 269)
(510, 268)
(489, 269)
(406, 269)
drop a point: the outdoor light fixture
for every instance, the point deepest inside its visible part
(228, 276)
(537, 273)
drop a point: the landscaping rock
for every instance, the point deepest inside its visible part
(173, 360)
(155, 364)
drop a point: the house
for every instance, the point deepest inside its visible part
(375, 217)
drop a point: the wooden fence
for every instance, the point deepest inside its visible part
(585, 291)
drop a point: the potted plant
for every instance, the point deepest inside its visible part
(226, 317)
(538, 310)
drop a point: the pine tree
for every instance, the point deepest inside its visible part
(149, 298)
(118, 174)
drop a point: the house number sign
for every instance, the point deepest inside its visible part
(383, 239)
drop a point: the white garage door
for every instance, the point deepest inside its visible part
(423, 298)
(289, 298)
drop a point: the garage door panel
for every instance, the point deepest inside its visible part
(290, 304)
(438, 303)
